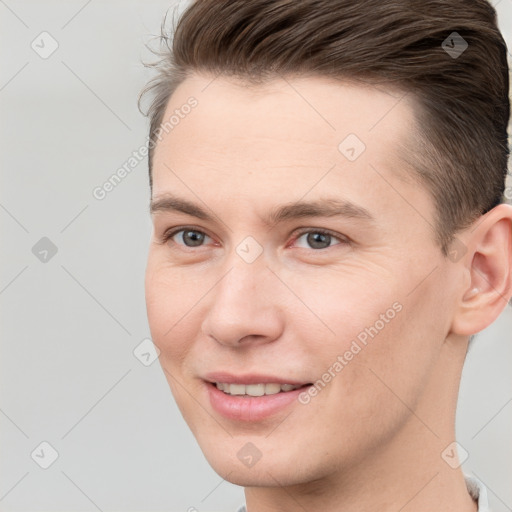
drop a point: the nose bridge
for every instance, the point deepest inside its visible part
(244, 286)
(242, 303)
(249, 261)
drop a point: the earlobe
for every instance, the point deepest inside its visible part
(490, 272)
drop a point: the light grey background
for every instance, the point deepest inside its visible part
(69, 325)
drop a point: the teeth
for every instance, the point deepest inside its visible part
(236, 389)
(272, 389)
(254, 389)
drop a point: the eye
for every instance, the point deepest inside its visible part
(319, 239)
(187, 237)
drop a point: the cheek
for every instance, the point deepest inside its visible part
(160, 300)
(397, 357)
(344, 304)
(170, 300)
(369, 333)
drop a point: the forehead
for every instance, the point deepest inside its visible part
(284, 122)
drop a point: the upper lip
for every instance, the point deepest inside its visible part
(250, 378)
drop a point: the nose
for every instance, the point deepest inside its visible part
(244, 308)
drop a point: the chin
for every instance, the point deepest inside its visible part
(274, 468)
(248, 478)
(264, 475)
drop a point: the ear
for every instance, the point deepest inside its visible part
(488, 286)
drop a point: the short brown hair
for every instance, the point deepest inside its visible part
(460, 150)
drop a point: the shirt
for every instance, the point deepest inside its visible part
(476, 489)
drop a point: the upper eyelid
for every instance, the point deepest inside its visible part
(303, 231)
(173, 231)
(300, 231)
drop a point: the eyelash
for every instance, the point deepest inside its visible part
(342, 239)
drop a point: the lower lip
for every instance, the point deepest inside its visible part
(250, 408)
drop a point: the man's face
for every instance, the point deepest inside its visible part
(245, 295)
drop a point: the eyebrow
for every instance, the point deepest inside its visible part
(323, 207)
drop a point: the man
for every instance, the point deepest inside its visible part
(327, 181)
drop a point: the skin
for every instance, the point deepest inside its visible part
(372, 438)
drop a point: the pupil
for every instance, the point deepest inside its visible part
(195, 238)
(318, 240)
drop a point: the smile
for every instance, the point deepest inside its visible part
(252, 402)
(254, 389)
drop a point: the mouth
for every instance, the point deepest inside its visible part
(255, 401)
(253, 390)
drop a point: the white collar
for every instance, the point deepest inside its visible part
(478, 492)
